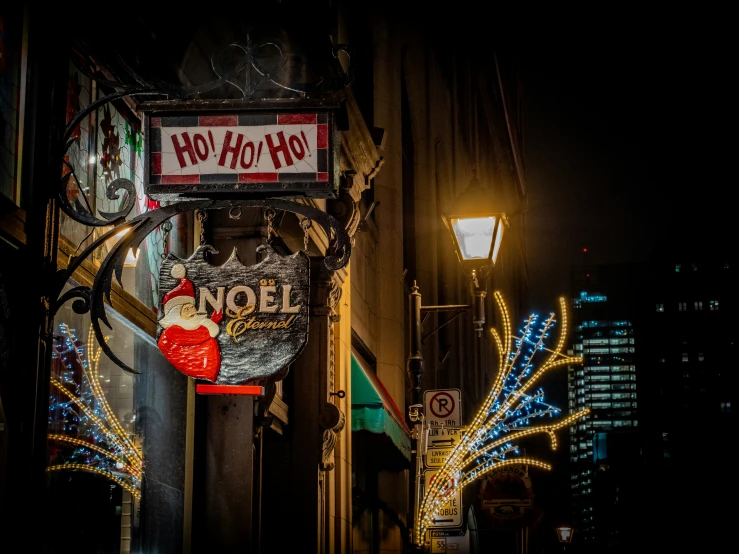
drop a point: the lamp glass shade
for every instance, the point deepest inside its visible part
(498, 239)
(564, 534)
(474, 236)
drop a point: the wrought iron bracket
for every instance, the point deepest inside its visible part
(238, 74)
(92, 299)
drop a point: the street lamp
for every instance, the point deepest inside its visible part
(564, 534)
(476, 229)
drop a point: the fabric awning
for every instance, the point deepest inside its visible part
(373, 409)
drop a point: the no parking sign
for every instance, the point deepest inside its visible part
(443, 407)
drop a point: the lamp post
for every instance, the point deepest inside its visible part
(476, 229)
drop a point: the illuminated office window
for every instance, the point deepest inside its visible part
(682, 306)
(713, 305)
(660, 307)
(698, 305)
(685, 357)
(677, 268)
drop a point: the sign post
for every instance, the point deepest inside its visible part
(443, 430)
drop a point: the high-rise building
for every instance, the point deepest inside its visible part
(604, 444)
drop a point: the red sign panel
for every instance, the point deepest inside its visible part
(286, 154)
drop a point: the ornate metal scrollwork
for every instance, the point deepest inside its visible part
(92, 299)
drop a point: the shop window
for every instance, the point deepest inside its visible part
(105, 426)
(106, 145)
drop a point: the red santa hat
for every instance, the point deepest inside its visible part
(183, 293)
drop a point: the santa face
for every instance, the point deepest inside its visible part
(189, 311)
(187, 317)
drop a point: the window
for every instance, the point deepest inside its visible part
(725, 407)
(701, 356)
(686, 374)
(662, 359)
(685, 357)
(682, 306)
(107, 145)
(677, 268)
(698, 305)
(713, 305)
(660, 307)
(98, 417)
(694, 267)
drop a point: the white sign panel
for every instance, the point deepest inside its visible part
(228, 152)
(451, 514)
(443, 407)
(435, 457)
(444, 437)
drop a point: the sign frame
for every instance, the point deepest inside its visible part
(435, 414)
(459, 517)
(218, 179)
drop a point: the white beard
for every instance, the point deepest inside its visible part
(174, 318)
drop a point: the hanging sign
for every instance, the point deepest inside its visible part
(231, 324)
(203, 155)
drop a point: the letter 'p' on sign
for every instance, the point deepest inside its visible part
(207, 155)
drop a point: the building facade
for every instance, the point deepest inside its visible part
(110, 460)
(604, 445)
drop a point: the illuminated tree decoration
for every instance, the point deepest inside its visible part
(84, 433)
(507, 413)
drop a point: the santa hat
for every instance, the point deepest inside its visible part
(183, 293)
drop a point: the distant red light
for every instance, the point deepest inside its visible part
(584, 249)
(587, 275)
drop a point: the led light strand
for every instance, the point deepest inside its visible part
(504, 414)
(106, 448)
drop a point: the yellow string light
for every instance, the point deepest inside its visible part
(82, 467)
(452, 475)
(130, 459)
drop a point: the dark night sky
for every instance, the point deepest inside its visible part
(623, 135)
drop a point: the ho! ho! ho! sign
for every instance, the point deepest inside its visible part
(270, 154)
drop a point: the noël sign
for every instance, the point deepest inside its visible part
(231, 324)
(269, 153)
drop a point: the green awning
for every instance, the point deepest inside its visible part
(373, 409)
